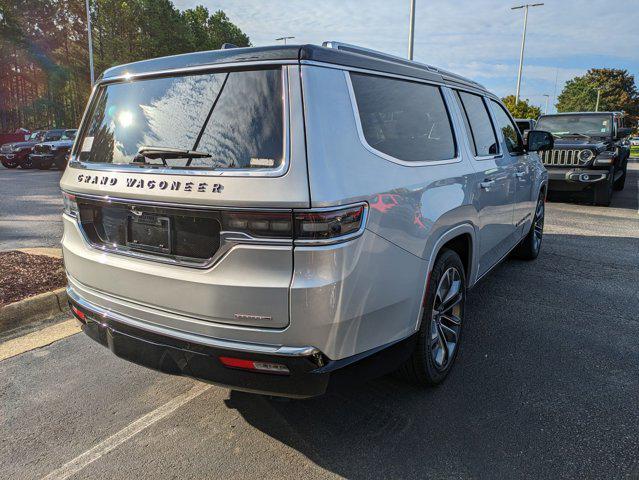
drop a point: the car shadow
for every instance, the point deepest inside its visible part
(539, 384)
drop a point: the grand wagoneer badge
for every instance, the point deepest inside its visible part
(141, 183)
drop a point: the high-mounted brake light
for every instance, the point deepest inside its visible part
(255, 366)
(330, 224)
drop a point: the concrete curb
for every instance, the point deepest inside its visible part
(33, 309)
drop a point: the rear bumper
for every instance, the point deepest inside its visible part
(575, 178)
(311, 372)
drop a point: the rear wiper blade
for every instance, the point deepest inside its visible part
(166, 152)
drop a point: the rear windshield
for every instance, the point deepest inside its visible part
(230, 120)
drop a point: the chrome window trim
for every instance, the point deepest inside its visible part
(279, 171)
(462, 107)
(385, 156)
(280, 350)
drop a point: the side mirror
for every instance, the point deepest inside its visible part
(623, 132)
(538, 141)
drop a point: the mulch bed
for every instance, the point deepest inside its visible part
(23, 275)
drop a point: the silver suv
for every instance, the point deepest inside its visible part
(286, 219)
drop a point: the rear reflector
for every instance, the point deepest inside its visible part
(79, 314)
(254, 366)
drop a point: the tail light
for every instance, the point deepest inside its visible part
(259, 224)
(313, 226)
(255, 366)
(70, 205)
(329, 225)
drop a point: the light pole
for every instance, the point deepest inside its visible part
(523, 44)
(547, 98)
(283, 38)
(90, 43)
(411, 30)
(598, 97)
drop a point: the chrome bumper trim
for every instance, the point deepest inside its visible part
(281, 350)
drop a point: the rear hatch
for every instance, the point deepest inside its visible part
(181, 170)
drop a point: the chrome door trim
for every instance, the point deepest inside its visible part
(279, 350)
(385, 156)
(280, 171)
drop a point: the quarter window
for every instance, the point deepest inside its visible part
(514, 144)
(478, 120)
(405, 120)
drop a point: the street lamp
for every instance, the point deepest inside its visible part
(411, 30)
(283, 38)
(90, 43)
(523, 43)
(598, 97)
(547, 98)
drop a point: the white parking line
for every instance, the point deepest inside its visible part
(78, 463)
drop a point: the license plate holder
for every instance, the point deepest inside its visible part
(149, 232)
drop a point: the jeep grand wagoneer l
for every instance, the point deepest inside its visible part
(283, 219)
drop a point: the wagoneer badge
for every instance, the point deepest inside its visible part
(141, 183)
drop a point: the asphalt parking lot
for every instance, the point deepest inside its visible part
(546, 386)
(30, 208)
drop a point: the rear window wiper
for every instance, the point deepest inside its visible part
(165, 153)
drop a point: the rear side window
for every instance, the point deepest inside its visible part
(514, 144)
(405, 120)
(478, 120)
(235, 119)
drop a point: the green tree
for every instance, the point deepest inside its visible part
(618, 92)
(522, 109)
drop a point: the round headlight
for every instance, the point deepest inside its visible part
(585, 155)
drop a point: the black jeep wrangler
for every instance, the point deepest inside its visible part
(588, 153)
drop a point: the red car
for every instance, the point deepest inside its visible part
(17, 154)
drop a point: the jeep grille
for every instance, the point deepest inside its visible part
(561, 158)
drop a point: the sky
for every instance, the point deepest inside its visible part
(480, 39)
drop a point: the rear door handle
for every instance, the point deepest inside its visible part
(487, 184)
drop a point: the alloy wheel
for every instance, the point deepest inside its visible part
(447, 318)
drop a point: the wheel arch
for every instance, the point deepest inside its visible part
(461, 239)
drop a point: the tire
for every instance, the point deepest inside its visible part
(432, 360)
(27, 165)
(602, 192)
(530, 246)
(60, 162)
(621, 181)
(44, 165)
(9, 164)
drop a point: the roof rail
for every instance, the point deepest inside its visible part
(347, 47)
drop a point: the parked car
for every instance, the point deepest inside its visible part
(18, 154)
(589, 153)
(240, 217)
(54, 153)
(525, 125)
(634, 141)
